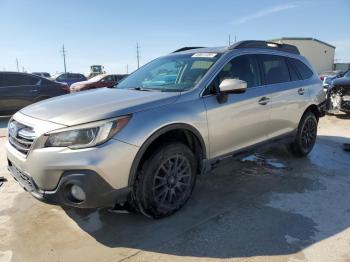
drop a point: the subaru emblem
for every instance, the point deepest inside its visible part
(13, 129)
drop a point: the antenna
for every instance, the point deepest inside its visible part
(63, 51)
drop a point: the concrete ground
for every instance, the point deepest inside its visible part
(269, 207)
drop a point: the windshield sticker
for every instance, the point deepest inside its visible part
(206, 55)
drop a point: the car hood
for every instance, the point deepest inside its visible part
(343, 82)
(83, 84)
(97, 104)
(87, 82)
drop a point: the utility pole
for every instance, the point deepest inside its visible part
(127, 69)
(23, 69)
(138, 55)
(235, 38)
(64, 58)
(229, 40)
(17, 65)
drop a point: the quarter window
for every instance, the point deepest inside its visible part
(294, 76)
(275, 69)
(304, 71)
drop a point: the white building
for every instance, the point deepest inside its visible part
(320, 54)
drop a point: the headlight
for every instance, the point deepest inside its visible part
(87, 135)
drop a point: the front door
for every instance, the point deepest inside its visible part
(241, 121)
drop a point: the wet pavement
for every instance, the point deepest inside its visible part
(269, 206)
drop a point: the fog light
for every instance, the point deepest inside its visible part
(77, 192)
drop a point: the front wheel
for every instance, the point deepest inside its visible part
(166, 180)
(306, 135)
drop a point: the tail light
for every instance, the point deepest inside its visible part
(65, 87)
(322, 78)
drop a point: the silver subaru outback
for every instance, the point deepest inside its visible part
(143, 142)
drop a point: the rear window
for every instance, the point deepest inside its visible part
(304, 71)
(275, 69)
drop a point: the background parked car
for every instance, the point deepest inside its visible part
(69, 78)
(18, 90)
(42, 74)
(99, 81)
(338, 95)
(327, 81)
(330, 74)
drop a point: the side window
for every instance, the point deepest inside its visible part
(28, 80)
(243, 67)
(304, 71)
(62, 77)
(18, 80)
(294, 76)
(109, 79)
(274, 68)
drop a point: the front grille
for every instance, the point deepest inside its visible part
(21, 136)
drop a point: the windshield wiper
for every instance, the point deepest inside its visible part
(139, 88)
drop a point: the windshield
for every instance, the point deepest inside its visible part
(347, 74)
(171, 74)
(55, 76)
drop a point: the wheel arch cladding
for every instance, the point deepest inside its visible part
(314, 109)
(185, 133)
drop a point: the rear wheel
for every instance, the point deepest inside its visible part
(306, 135)
(166, 180)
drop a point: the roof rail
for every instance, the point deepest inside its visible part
(265, 45)
(187, 48)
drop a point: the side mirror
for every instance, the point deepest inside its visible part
(231, 85)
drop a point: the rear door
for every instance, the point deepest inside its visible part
(286, 96)
(241, 121)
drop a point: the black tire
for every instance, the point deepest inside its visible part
(306, 135)
(165, 181)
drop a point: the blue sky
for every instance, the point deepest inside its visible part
(106, 32)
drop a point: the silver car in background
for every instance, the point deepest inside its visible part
(145, 141)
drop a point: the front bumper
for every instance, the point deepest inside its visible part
(98, 192)
(102, 172)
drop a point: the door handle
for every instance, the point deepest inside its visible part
(264, 101)
(301, 91)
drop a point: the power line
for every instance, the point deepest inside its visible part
(17, 65)
(138, 55)
(63, 51)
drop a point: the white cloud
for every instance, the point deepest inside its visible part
(265, 12)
